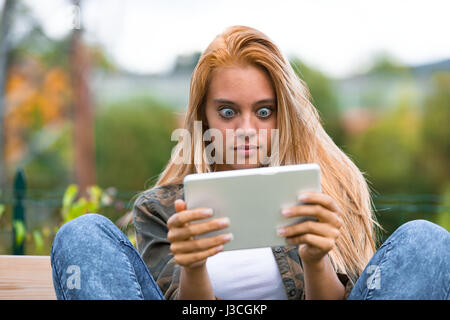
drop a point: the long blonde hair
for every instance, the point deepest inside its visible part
(302, 139)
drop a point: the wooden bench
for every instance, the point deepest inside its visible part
(26, 278)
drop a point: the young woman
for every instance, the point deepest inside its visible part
(244, 84)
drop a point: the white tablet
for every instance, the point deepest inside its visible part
(252, 199)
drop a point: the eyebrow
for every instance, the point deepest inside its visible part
(269, 100)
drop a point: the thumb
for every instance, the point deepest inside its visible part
(180, 205)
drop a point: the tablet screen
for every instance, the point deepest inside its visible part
(252, 199)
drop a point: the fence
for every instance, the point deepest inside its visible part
(29, 213)
(33, 208)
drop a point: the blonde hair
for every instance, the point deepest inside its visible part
(302, 139)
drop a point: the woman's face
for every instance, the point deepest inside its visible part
(242, 101)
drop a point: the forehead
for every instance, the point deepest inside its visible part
(246, 82)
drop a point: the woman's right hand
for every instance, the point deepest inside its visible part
(188, 252)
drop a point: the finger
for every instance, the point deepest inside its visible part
(192, 230)
(324, 244)
(186, 259)
(321, 229)
(181, 218)
(314, 210)
(319, 198)
(200, 244)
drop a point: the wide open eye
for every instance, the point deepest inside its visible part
(226, 112)
(264, 112)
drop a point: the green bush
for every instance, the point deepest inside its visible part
(323, 97)
(436, 132)
(133, 142)
(389, 151)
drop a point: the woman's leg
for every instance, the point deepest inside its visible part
(92, 259)
(413, 263)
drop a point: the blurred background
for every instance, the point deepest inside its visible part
(91, 90)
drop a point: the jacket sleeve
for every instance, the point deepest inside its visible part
(151, 211)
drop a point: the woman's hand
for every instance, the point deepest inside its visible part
(315, 238)
(192, 253)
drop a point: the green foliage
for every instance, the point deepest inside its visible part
(323, 97)
(47, 170)
(443, 218)
(50, 168)
(20, 231)
(384, 63)
(436, 131)
(72, 209)
(389, 151)
(97, 201)
(406, 151)
(133, 142)
(38, 240)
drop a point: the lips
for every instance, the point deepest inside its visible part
(246, 147)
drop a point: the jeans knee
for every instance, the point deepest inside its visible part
(419, 226)
(78, 230)
(422, 233)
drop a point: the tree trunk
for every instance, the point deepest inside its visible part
(83, 114)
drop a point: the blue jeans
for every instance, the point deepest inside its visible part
(92, 259)
(413, 264)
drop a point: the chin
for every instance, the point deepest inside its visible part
(245, 166)
(248, 165)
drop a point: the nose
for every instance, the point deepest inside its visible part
(246, 128)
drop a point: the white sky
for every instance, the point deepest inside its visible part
(338, 37)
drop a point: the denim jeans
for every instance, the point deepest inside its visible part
(413, 264)
(92, 259)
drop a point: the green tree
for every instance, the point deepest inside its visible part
(323, 97)
(133, 142)
(389, 150)
(436, 132)
(384, 63)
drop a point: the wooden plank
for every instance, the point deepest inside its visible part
(26, 278)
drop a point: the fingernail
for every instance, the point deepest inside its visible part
(228, 237)
(219, 248)
(285, 212)
(207, 212)
(224, 221)
(303, 197)
(281, 231)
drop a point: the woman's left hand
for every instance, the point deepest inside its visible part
(315, 238)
